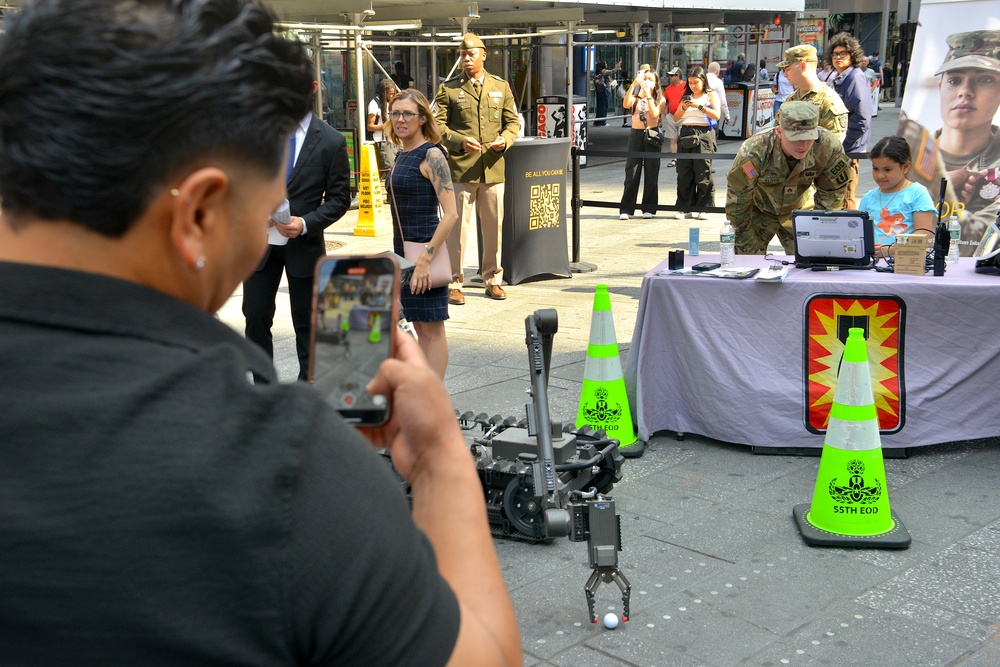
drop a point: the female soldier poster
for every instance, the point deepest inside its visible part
(950, 110)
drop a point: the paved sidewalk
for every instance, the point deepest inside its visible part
(720, 575)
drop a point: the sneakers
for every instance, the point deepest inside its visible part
(455, 297)
(679, 215)
(647, 216)
(623, 216)
(703, 216)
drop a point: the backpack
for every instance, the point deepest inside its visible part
(599, 84)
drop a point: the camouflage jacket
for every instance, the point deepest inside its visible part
(832, 111)
(762, 182)
(462, 112)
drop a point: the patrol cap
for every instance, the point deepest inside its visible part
(979, 49)
(799, 120)
(674, 72)
(803, 53)
(472, 41)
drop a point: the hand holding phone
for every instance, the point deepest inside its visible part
(355, 306)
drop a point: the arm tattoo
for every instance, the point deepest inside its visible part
(440, 171)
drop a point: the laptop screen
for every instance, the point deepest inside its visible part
(833, 238)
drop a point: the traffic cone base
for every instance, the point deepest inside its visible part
(603, 400)
(850, 505)
(896, 538)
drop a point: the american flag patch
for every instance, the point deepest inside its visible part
(748, 169)
(927, 156)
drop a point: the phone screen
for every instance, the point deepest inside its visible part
(355, 307)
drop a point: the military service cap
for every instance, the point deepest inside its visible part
(979, 49)
(799, 121)
(803, 53)
(472, 41)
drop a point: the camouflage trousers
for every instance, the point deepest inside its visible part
(753, 235)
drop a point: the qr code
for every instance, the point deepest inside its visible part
(543, 209)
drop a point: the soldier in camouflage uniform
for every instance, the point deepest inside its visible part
(796, 165)
(969, 142)
(800, 68)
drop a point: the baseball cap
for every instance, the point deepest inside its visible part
(799, 120)
(803, 53)
(979, 49)
(674, 72)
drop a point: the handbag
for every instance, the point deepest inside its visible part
(653, 138)
(412, 250)
(440, 263)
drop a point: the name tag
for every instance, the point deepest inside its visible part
(496, 94)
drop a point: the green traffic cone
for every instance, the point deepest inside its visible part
(850, 505)
(376, 333)
(603, 400)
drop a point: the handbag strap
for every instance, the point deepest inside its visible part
(392, 194)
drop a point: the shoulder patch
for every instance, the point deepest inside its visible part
(747, 168)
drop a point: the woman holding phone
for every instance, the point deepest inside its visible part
(419, 185)
(646, 102)
(699, 108)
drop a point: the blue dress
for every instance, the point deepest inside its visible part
(414, 205)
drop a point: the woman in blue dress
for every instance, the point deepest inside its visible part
(419, 186)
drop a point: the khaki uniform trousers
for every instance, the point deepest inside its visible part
(488, 201)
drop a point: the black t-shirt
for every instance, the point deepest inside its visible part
(158, 508)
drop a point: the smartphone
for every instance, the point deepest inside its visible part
(355, 310)
(686, 98)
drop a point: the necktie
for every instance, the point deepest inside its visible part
(291, 157)
(475, 86)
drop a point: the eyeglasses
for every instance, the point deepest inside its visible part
(841, 54)
(405, 115)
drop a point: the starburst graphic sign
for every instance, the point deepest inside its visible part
(827, 319)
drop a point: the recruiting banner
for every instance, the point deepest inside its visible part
(950, 112)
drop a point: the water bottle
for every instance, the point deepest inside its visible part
(954, 231)
(727, 244)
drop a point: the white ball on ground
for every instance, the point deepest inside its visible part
(610, 621)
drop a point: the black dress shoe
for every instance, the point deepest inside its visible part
(496, 292)
(456, 298)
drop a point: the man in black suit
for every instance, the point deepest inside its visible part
(318, 195)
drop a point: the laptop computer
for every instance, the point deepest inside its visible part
(845, 239)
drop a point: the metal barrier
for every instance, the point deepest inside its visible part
(577, 203)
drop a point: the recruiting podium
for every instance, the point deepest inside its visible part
(534, 225)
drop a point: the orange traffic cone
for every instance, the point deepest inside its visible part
(850, 506)
(603, 401)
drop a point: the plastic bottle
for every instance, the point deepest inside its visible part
(955, 232)
(727, 244)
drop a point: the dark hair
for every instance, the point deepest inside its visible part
(851, 45)
(763, 64)
(697, 73)
(893, 147)
(384, 86)
(103, 101)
